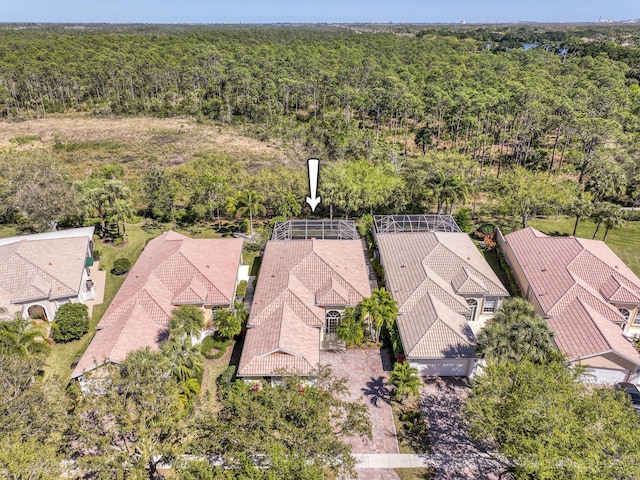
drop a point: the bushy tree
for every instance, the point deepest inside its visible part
(32, 413)
(71, 322)
(297, 428)
(133, 425)
(550, 425)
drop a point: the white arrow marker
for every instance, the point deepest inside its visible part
(313, 201)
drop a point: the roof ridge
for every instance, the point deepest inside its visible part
(466, 264)
(197, 270)
(17, 252)
(313, 251)
(591, 311)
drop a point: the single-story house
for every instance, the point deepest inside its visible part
(445, 290)
(172, 270)
(589, 297)
(302, 291)
(40, 272)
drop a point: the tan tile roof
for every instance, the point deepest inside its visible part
(426, 273)
(574, 280)
(296, 278)
(34, 268)
(173, 269)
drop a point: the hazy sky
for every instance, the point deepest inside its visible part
(264, 11)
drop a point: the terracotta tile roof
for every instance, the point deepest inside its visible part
(173, 269)
(426, 272)
(297, 279)
(36, 267)
(574, 280)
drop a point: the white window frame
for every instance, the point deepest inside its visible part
(636, 319)
(472, 303)
(492, 308)
(329, 317)
(626, 315)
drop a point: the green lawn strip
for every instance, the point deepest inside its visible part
(212, 370)
(624, 241)
(411, 428)
(60, 360)
(416, 473)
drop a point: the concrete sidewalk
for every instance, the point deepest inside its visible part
(404, 460)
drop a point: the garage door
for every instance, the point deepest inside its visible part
(604, 375)
(443, 368)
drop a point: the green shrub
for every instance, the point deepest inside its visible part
(226, 377)
(121, 266)
(241, 291)
(487, 228)
(71, 322)
(463, 219)
(212, 343)
(96, 254)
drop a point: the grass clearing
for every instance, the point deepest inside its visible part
(84, 142)
(624, 241)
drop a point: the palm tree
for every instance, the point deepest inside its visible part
(227, 323)
(406, 380)
(122, 212)
(183, 359)
(513, 310)
(582, 208)
(240, 311)
(601, 212)
(517, 332)
(350, 330)
(247, 202)
(456, 190)
(186, 320)
(22, 336)
(533, 339)
(613, 219)
(380, 309)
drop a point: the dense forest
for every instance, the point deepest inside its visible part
(413, 118)
(485, 122)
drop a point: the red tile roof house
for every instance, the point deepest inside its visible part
(589, 297)
(40, 272)
(172, 270)
(445, 290)
(302, 291)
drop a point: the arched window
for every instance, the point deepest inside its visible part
(473, 309)
(332, 318)
(625, 313)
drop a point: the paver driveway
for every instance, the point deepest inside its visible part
(441, 400)
(367, 371)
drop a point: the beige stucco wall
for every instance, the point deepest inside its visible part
(608, 360)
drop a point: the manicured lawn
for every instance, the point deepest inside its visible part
(59, 362)
(624, 241)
